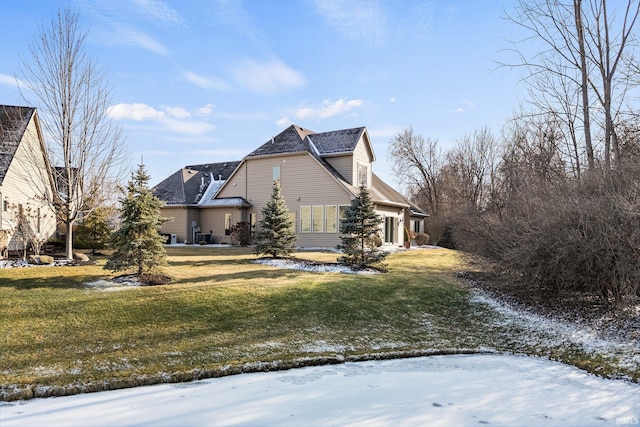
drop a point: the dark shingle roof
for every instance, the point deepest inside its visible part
(220, 170)
(294, 140)
(13, 124)
(337, 141)
(290, 140)
(187, 186)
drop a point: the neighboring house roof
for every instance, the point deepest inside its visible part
(188, 185)
(13, 124)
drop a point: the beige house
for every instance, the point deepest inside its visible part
(24, 179)
(319, 175)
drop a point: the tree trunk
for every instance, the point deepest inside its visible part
(69, 239)
(584, 84)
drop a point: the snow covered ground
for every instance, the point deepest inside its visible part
(467, 390)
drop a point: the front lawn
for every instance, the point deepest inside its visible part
(223, 311)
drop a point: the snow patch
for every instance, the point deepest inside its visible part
(314, 267)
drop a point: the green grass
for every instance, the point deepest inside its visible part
(221, 309)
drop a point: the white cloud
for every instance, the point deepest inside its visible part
(459, 110)
(355, 19)
(328, 109)
(178, 112)
(130, 37)
(283, 122)
(8, 80)
(172, 119)
(392, 99)
(205, 82)
(206, 109)
(137, 112)
(267, 78)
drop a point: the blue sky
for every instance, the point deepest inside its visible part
(198, 81)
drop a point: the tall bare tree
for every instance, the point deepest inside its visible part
(581, 48)
(418, 164)
(85, 149)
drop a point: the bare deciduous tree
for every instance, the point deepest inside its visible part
(584, 55)
(418, 164)
(84, 147)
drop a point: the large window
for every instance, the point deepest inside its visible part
(322, 219)
(317, 214)
(305, 219)
(331, 218)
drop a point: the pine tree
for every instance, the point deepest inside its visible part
(137, 243)
(360, 228)
(94, 232)
(275, 234)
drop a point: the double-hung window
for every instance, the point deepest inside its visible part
(331, 218)
(305, 219)
(317, 213)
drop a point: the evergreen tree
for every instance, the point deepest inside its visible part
(275, 236)
(137, 243)
(94, 232)
(360, 229)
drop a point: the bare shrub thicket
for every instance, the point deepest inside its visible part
(551, 231)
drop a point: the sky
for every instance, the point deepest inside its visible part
(428, 391)
(205, 81)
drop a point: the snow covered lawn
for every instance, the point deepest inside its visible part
(438, 390)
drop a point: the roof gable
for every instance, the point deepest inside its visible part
(290, 140)
(13, 124)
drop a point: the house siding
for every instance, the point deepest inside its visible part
(344, 165)
(25, 183)
(303, 182)
(180, 222)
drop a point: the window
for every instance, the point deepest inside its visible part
(416, 226)
(253, 219)
(276, 173)
(390, 225)
(227, 224)
(331, 218)
(317, 214)
(363, 173)
(342, 214)
(305, 219)
(292, 218)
